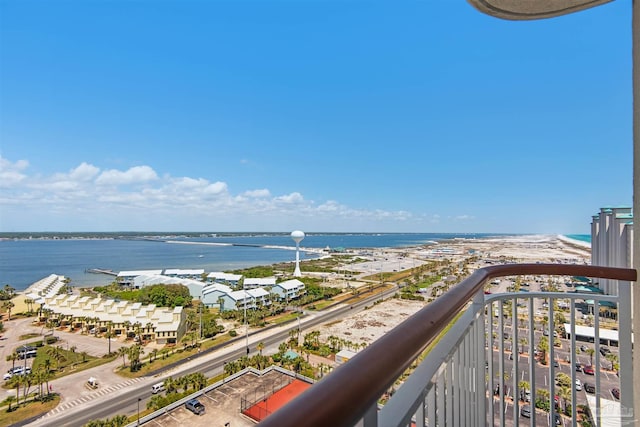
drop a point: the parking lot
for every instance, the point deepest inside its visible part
(222, 405)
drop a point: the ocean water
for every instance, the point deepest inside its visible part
(24, 261)
(581, 237)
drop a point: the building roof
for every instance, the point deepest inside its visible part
(257, 292)
(184, 272)
(260, 281)
(133, 273)
(588, 331)
(291, 284)
(216, 287)
(224, 276)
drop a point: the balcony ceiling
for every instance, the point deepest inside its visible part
(519, 10)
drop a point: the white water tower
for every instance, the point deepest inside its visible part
(297, 237)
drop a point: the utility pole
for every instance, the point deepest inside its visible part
(200, 312)
(246, 325)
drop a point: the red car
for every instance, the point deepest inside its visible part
(588, 370)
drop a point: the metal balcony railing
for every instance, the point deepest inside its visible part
(456, 383)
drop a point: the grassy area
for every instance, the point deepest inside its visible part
(28, 336)
(321, 305)
(284, 318)
(23, 412)
(68, 362)
(178, 354)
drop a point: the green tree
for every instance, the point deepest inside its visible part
(123, 351)
(7, 306)
(543, 347)
(12, 357)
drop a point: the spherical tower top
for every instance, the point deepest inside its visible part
(297, 236)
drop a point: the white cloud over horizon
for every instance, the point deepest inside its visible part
(89, 198)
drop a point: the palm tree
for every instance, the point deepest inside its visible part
(47, 364)
(134, 356)
(524, 385)
(29, 303)
(565, 394)
(613, 358)
(119, 421)
(136, 327)
(522, 341)
(260, 347)
(123, 351)
(109, 334)
(198, 380)
(169, 384)
(12, 358)
(8, 305)
(542, 395)
(26, 381)
(9, 400)
(16, 382)
(543, 346)
(590, 351)
(56, 354)
(9, 291)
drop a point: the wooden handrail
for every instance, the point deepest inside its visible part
(343, 397)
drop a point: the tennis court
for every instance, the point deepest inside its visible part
(261, 408)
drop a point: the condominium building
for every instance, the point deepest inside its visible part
(161, 324)
(611, 242)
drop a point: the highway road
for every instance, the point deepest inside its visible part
(209, 364)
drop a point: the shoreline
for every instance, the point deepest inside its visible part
(423, 247)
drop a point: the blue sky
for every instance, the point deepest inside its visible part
(414, 116)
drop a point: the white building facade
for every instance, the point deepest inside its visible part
(612, 242)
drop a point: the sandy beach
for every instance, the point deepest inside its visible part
(371, 324)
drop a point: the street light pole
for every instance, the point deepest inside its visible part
(139, 399)
(246, 325)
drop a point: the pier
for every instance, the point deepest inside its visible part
(101, 271)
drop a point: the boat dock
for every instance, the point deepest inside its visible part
(101, 271)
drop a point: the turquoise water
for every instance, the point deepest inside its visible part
(581, 237)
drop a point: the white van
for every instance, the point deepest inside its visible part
(157, 388)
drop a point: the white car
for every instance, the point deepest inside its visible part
(578, 385)
(18, 370)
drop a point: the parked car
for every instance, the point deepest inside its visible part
(18, 370)
(195, 406)
(525, 395)
(556, 364)
(578, 367)
(583, 348)
(525, 411)
(616, 393)
(604, 351)
(589, 388)
(578, 385)
(27, 354)
(588, 370)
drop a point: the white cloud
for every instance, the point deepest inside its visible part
(257, 194)
(84, 172)
(125, 199)
(11, 173)
(290, 198)
(135, 175)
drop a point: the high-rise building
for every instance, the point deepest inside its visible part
(612, 242)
